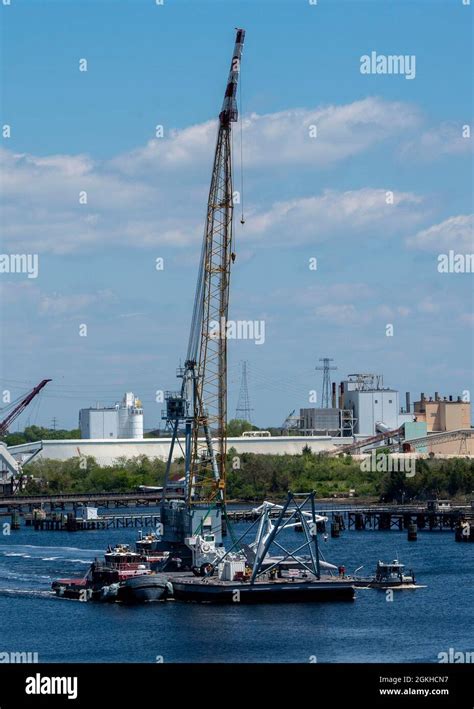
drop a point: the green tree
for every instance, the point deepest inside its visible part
(236, 427)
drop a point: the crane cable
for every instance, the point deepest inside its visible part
(242, 218)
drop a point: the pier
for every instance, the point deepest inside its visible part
(383, 518)
(27, 503)
(351, 517)
(57, 522)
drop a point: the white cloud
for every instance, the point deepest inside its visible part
(16, 292)
(324, 293)
(427, 305)
(74, 303)
(27, 296)
(317, 218)
(281, 138)
(454, 233)
(445, 139)
(155, 196)
(338, 314)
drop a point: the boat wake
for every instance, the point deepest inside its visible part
(42, 553)
(25, 592)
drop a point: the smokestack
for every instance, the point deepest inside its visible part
(341, 398)
(333, 395)
(459, 398)
(408, 403)
(450, 397)
(436, 396)
(422, 397)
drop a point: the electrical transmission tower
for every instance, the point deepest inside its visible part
(243, 405)
(326, 369)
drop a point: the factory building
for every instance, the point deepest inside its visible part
(324, 421)
(443, 414)
(365, 408)
(332, 421)
(98, 422)
(376, 409)
(124, 420)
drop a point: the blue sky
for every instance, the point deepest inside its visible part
(304, 197)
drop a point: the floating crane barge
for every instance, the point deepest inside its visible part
(256, 575)
(192, 557)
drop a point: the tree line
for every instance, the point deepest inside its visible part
(253, 477)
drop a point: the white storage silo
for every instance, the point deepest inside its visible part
(130, 417)
(136, 420)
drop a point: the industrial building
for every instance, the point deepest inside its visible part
(326, 422)
(323, 421)
(376, 408)
(443, 414)
(365, 408)
(124, 420)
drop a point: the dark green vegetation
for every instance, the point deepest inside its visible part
(255, 477)
(38, 433)
(262, 476)
(86, 475)
(236, 427)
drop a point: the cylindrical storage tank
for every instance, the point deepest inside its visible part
(136, 422)
(382, 427)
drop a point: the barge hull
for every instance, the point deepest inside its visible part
(263, 592)
(143, 589)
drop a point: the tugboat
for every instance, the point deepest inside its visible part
(124, 575)
(136, 576)
(144, 553)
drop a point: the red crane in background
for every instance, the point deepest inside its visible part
(15, 412)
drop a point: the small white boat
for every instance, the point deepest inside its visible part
(388, 576)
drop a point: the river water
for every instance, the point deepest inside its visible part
(415, 626)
